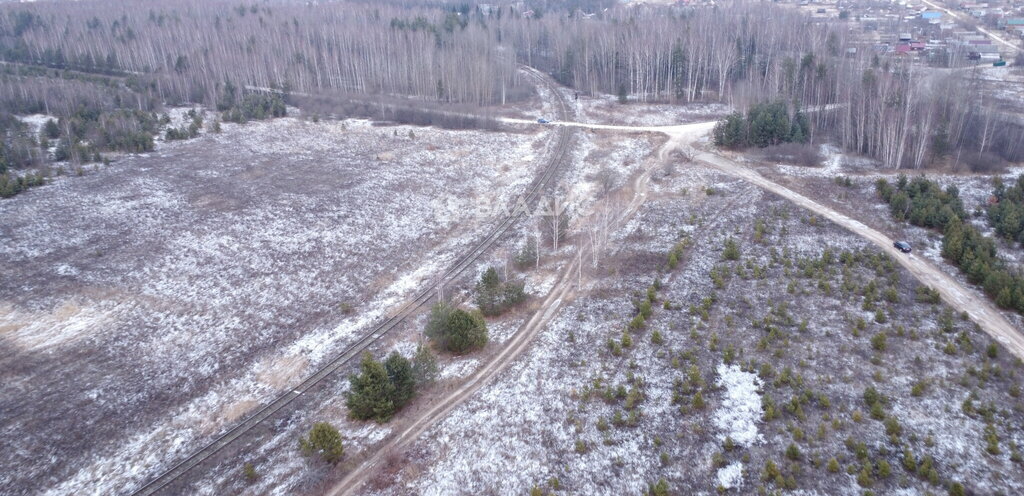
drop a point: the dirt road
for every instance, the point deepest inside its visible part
(564, 290)
(165, 481)
(683, 138)
(956, 295)
(961, 298)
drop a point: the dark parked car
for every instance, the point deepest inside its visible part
(902, 246)
(543, 120)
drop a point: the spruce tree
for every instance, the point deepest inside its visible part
(698, 401)
(51, 130)
(323, 441)
(249, 472)
(731, 251)
(464, 331)
(424, 365)
(372, 393)
(730, 132)
(793, 452)
(437, 322)
(864, 478)
(489, 292)
(402, 379)
(833, 465)
(800, 128)
(884, 469)
(956, 489)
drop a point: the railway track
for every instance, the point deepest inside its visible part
(425, 295)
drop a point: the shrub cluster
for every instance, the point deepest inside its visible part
(255, 106)
(923, 203)
(1006, 215)
(123, 130)
(381, 389)
(323, 441)
(765, 124)
(11, 185)
(494, 296)
(187, 132)
(455, 329)
(17, 145)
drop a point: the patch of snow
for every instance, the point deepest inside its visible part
(459, 368)
(741, 408)
(731, 475)
(606, 109)
(36, 121)
(405, 348)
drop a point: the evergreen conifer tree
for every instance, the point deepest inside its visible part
(372, 393)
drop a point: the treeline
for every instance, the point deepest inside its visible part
(765, 124)
(93, 115)
(924, 203)
(392, 109)
(740, 53)
(889, 109)
(889, 114)
(79, 138)
(253, 106)
(89, 131)
(30, 90)
(737, 54)
(186, 132)
(460, 54)
(188, 50)
(97, 122)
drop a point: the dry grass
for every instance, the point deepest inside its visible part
(279, 372)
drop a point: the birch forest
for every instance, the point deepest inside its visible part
(139, 55)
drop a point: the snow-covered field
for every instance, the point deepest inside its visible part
(148, 305)
(788, 329)
(605, 109)
(284, 471)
